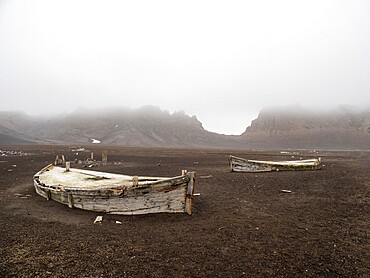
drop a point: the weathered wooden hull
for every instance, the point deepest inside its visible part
(116, 194)
(238, 164)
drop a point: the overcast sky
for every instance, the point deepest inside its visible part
(222, 61)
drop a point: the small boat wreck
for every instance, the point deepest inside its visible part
(238, 164)
(115, 193)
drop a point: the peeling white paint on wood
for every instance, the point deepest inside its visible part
(115, 193)
(238, 164)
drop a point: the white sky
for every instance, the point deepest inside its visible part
(222, 61)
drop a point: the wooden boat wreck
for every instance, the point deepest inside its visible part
(115, 193)
(238, 164)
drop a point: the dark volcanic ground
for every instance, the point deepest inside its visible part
(242, 225)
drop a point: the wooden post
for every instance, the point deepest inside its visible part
(59, 160)
(104, 157)
(190, 193)
(135, 181)
(63, 159)
(48, 195)
(231, 164)
(68, 165)
(70, 200)
(56, 160)
(92, 156)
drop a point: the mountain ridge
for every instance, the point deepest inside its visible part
(275, 128)
(147, 126)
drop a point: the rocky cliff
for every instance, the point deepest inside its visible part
(340, 128)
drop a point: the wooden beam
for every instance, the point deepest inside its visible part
(190, 193)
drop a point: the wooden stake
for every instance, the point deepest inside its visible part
(68, 165)
(70, 200)
(190, 193)
(104, 156)
(135, 181)
(56, 160)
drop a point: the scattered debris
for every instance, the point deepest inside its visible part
(13, 153)
(285, 191)
(196, 194)
(196, 162)
(206, 177)
(20, 195)
(98, 219)
(119, 222)
(79, 149)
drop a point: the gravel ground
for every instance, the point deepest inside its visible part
(242, 224)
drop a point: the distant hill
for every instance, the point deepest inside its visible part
(10, 137)
(9, 129)
(148, 126)
(278, 128)
(341, 128)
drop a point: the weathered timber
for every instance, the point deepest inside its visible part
(104, 156)
(238, 164)
(115, 193)
(68, 166)
(135, 181)
(59, 160)
(190, 194)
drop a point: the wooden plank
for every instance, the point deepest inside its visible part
(190, 193)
